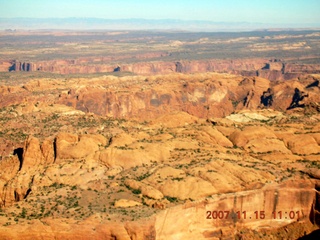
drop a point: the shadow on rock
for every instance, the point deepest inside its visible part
(312, 236)
(297, 97)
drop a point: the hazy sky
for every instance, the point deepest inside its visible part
(263, 11)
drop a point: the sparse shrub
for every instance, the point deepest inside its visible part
(136, 191)
(42, 209)
(140, 178)
(23, 213)
(171, 199)
(57, 185)
(177, 179)
(76, 204)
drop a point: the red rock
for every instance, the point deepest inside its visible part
(32, 155)
(72, 146)
(251, 67)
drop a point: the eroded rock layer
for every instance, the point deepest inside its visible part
(176, 156)
(268, 69)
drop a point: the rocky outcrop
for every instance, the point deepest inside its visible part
(303, 144)
(94, 228)
(6, 66)
(297, 97)
(178, 165)
(124, 203)
(72, 146)
(220, 216)
(267, 98)
(272, 70)
(238, 211)
(32, 154)
(18, 178)
(258, 140)
(204, 95)
(145, 189)
(216, 96)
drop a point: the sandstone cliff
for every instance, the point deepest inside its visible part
(252, 67)
(166, 159)
(203, 96)
(245, 172)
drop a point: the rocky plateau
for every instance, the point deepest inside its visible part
(151, 157)
(270, 69)
(135, 135)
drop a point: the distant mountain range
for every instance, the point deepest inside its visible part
(137, 24)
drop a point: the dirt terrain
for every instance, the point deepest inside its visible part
(193, 153)
(142, 52)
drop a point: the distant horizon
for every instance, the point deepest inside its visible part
(95, 23)
(149, 19)
(274, 13)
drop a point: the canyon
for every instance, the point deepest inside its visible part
(270, 69)
(136, 135)
(137, 164)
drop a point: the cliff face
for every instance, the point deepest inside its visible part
(218, 197)
(202, 95)
(277, 205)
(200, 100)
(166, 173)
(5, 66)
(254, 67)
(213, 96)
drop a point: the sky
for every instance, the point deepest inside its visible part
(253, 11)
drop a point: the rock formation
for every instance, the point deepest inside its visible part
(215, 97)
(134, 157)
(75, 160)
(191, 137)
(255, 67)
(296, 98)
